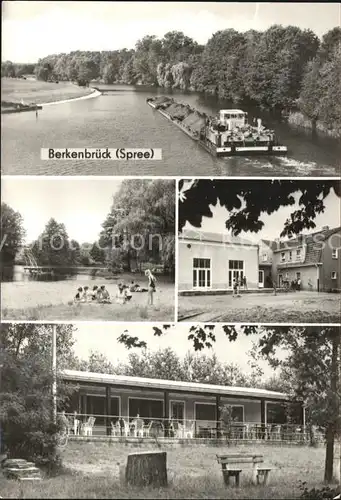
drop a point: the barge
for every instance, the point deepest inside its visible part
(227, 134)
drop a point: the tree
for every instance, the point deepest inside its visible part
(12, 234)
(259, 197)
(97, 253)
(141, 222)
(52, 248)
(26, 414)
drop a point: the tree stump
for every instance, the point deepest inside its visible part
(147, 468)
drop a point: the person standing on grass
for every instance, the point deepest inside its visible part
(151, 286)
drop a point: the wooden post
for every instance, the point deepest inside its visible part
(107, 410)
(166, 412)
(262, 418)
(217, 403)
(147, 468)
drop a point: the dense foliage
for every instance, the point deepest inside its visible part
(26, 411)
(282, 68)
(11, 236)
(247, 202)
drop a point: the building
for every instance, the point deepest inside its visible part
(210, 261)
(312, 258)
(266, 263)
(109, 398)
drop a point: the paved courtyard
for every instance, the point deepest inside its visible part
(298, 307)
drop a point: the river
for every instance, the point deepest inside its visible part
(123, 119)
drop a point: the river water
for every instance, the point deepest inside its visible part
(122, 119)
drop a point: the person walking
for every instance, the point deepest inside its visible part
(239, 284)
(151, 286)
(234, 288)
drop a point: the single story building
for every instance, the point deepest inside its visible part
(110, 398)
(211, 261)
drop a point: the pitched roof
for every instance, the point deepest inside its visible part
(171, 385)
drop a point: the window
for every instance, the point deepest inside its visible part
(334, 253)
(236, 271)
(298, 254)
(264, 257)
(238, 413)
(298, 276)
(201, 273)
(205, 411)
(283, 257)
(334, 275)
(290, 255)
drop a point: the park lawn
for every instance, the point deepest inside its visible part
(298, 307)
(91, 471)
(36, 92)
(44, 300)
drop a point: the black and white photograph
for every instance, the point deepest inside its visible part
(259, 251)
(87, 249)
(165, 411)
(171, 88)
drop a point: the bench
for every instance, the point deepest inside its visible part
(229, 463)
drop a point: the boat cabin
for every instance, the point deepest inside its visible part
(232, 118)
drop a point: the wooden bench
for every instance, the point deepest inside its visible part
(229, 464)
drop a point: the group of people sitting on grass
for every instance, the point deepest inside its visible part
(100, 295)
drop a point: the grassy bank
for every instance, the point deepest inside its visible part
(93, 472)
(53, 300)
(15, 90)
(298, 119)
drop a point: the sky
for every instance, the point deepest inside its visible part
(32, 30)
(102, 337)
(274, 223)
(80, 204)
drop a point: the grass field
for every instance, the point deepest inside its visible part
(37, 92)
(43, 300)
(305, 307)
(92, 471)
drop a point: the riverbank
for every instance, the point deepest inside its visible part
(35, 92)
(53, 301)
(298, 119)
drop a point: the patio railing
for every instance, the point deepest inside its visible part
(146, 427)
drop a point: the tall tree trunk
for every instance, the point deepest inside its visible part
(328, 468)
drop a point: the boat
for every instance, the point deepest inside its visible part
(227, 134)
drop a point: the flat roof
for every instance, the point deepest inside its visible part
(170, 385)
(223, 238)
(232, 111)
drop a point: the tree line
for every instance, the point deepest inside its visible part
(139, 228)
(280, 69)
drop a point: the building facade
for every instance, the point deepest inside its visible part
(210, 261)
(109, 398)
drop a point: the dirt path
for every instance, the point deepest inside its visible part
(303, 307)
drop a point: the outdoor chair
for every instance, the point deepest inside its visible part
(138, 429)
(146, 429)
(115, 429)
(189, 429)
(88, 426)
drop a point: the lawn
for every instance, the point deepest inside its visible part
(53, 300)
(36, 92)
(92, 471)
(304, 307)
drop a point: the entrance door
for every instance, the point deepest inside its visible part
(280, 280)
(261, 279)
(201, 273)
